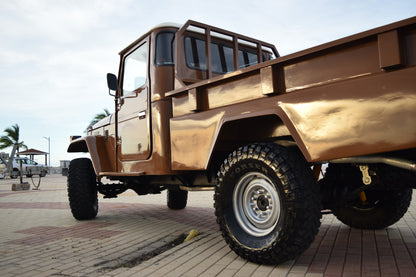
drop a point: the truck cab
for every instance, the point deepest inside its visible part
(136, 139)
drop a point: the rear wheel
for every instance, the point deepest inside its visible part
(177, 199)
(82, 189)
(267, 203)
(380, 210)
(375, 208)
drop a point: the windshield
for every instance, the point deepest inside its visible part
(135, 69)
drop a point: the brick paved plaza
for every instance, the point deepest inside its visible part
(39, 237)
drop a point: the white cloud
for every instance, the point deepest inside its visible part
(59, 21)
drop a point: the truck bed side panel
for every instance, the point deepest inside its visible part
(351, 97)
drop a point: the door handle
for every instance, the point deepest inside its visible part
(142, 115)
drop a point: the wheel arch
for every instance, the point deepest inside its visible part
(235, 132)
(78, 145)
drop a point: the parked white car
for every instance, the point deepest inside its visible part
(29, 168)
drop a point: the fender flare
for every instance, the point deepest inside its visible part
(280, 115)
(99, 149)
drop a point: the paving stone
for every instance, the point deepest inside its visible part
(39, 237)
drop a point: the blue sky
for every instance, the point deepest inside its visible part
(54, 54)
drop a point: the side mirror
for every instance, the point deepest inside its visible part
(112, 82)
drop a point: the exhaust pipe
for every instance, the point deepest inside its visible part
(396, 162)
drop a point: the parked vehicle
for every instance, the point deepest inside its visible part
(29, 168)
(199, 107)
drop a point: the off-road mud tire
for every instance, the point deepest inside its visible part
(177, 199)
(383, 207)
(82, 189)
(282, 175)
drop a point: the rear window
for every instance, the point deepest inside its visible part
(246, 59)
(222, 56)
(195, 53)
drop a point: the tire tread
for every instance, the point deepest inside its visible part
(82, 189)
(302, 197)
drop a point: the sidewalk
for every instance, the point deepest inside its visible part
(39, 237)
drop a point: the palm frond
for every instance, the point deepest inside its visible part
(11, 138)
(97, 118)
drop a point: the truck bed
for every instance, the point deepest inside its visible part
(350, 97)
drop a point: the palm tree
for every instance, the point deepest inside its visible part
(11, 139)
(97, 118)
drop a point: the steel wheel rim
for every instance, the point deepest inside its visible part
(256, 204)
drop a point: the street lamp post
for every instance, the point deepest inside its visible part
(49, 149)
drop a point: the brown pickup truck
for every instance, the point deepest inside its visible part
(201, 108)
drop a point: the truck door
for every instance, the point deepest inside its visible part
(134, 115)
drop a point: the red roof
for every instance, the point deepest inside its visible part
(32, 152)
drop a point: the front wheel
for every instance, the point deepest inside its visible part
(82, 189)
(267, 203)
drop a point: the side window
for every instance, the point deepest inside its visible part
(268, 54)
(222, 56)
(229, 58)
(195, 53)
(216, 57)
(165, 47)
(135, 69)
(31, 162)
(246, 58)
